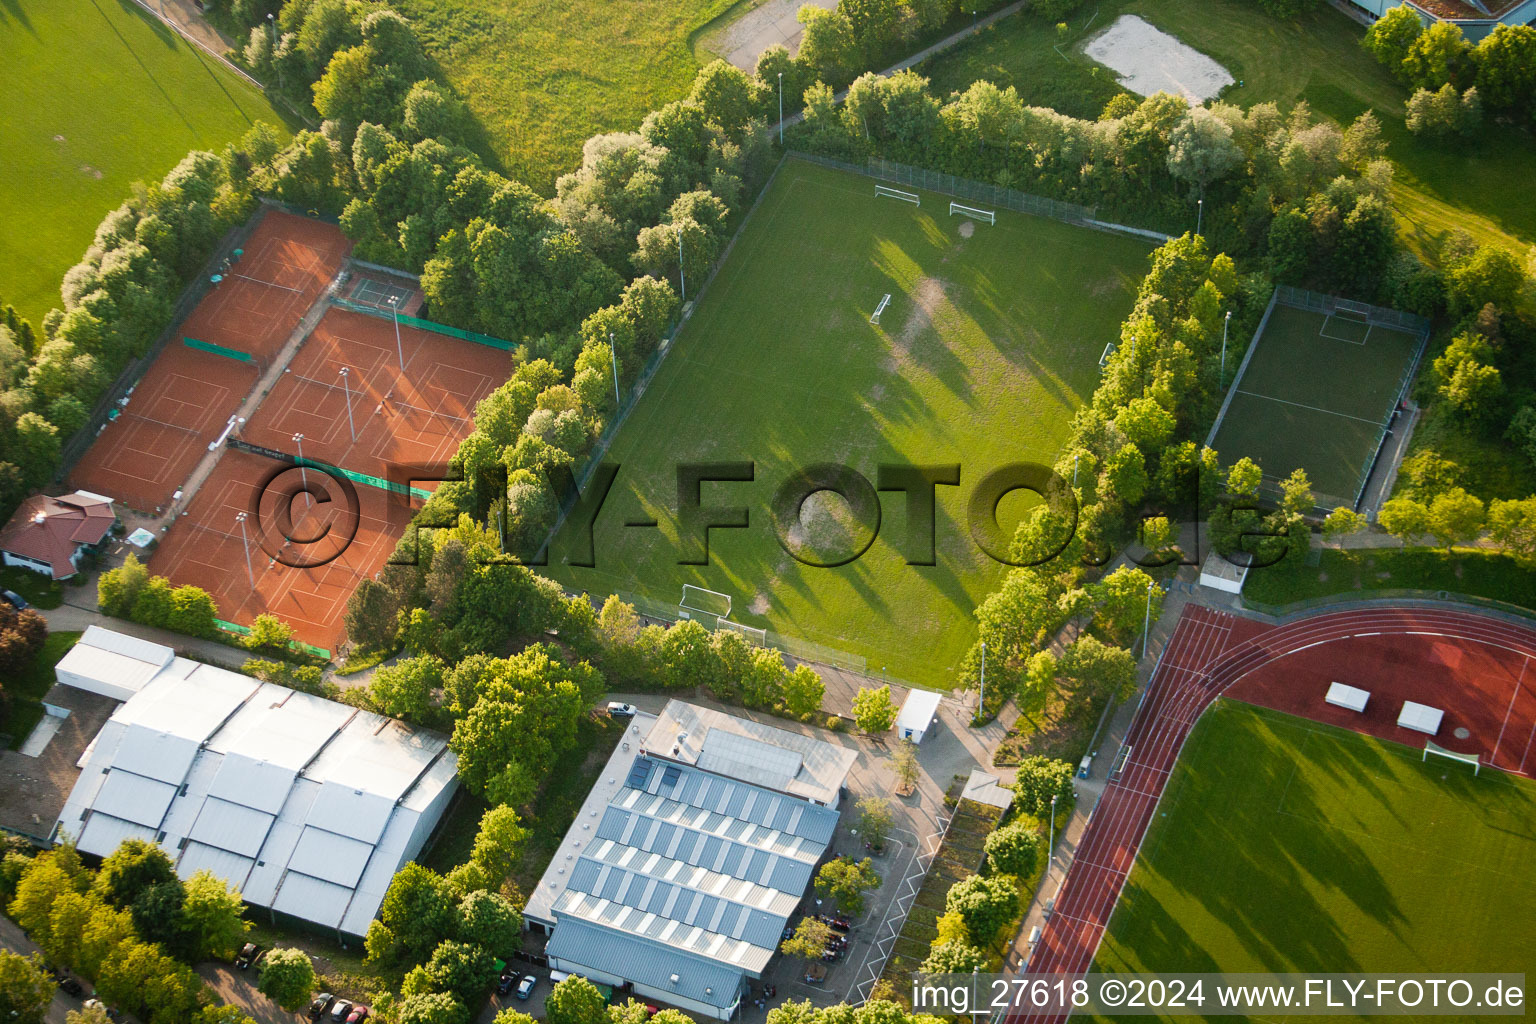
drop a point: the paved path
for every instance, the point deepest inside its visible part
(71, 616)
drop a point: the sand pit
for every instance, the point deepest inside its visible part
(1146, 60)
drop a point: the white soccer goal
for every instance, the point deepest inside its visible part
(1109, 350)
(874, 317)
(896, 193)
(706, 604)
(752, 633)
(971, 211)
(1471, 759)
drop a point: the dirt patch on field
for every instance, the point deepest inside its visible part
(967, 229)
(759, 605)
(926, 299)
(1147, 60)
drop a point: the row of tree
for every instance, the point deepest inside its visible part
(133, 927)
(1499, 72)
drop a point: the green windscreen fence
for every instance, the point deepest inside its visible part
(325, 467)
(426, 325)
(294, 645)
(218, 350)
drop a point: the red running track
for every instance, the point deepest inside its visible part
(1477, 668)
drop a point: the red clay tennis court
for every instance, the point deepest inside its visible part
(206, 548)
(187, 395)
(1476, 668)
(416, 416)
(413, 416)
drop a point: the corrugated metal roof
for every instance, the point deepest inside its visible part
(155, 754)
(231, 867)
(330, 856)
(312, 899)
(135, 798)
(748, 759)
(103, 660)
(103, 833)
(341, 809)
(251, 783)
(645, 962)
(231, 827)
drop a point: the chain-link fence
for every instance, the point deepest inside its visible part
(1374, 598)
(425, 325)
(1380, 316)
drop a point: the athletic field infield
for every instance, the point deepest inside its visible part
(989, 344)
(1285, 845)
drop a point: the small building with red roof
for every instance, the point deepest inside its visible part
(50, 535)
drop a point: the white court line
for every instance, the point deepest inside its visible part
(1509, 710)
(1303, 405)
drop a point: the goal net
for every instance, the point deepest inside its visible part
(752, 633)
(698, 603)
(896, 193)
(874, 317)
(1472, 759)
(970, 211)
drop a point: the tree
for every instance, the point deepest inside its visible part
(1512, 524)
(22, 635)
(1038, 780)
(873, 710)
(417, 913)
(1244, 478)
(875, 820)
(488, 920)
(1487, 274)
(404, 689)
(1039, 678)
(1506, 67)
(954, 958)
(844, 880)
(1201, 150)
(465, 970)
(267, 631)
(809, 940)
(211, 915)
(1342, 522)
(1404, 518)
(1392, 36)
(370, 615)
(130, 869)
(287, 977)
(118, 589)
(498, 844)
(1091, 668)
(803, 691)
(575, 1000)
(432, 1008)
(25, 988)
(1124, 597)
(1455, 517)
(904, 765)
(1014, 849)
(1439, 56)
(986, 905)
(726, 95)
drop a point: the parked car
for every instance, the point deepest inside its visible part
(525, 987)
(21, 604)
(505, 982)
(358, 1015)
(68, 985)
(319, 1004)
(249, 954)
(615, 709)
(340, 1009)
(97, 1003)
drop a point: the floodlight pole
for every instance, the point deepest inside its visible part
(246, 540)
(271, 23)
(781, 108)
(981, 705)
(1146, 625)
(394, 309)
(613, 353)
(1199, 215)
(1050, 848)
(348, 392)
(1225, 322)
(682, 281)
(1074, 470)
(298, 439)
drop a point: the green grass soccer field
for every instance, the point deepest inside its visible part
(98, 95)
(1315, 394)
(990, 342)
(1284, 845)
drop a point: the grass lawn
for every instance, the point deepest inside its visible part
(1284, 845)
(98, 95)
(22, 707)
(40, 591)
(1316, 57)
(989, 345)
(1473, 571)
(543, 77)
(1316, 394)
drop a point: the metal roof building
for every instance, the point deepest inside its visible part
(682, 869)
(307, 806)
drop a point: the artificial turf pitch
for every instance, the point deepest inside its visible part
(989, 345)
(1316, 401)
(1284, 845)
